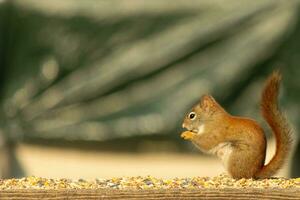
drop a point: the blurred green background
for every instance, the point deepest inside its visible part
(118, 76)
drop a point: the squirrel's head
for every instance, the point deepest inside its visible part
(203, 112)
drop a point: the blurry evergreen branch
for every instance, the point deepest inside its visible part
(102, 70)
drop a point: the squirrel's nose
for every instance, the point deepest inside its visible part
(183, 125)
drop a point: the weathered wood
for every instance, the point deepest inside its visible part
(30, 194)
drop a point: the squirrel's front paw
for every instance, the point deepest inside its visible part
(187, 135)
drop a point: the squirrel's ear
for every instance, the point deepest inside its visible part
(207, 101)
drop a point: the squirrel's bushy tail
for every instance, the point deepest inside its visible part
(278, 124)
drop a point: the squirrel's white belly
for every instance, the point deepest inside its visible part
(223, 151)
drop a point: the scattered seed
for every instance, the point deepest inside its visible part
(148, 182)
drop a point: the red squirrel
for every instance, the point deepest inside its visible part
(240, 142)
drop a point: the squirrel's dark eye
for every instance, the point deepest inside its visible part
(192, 115)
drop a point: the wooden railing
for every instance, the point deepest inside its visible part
(83, 194)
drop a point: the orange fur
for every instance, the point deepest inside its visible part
(240, 142)
(278, 124)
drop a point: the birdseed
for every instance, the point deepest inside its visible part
(148, 182)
